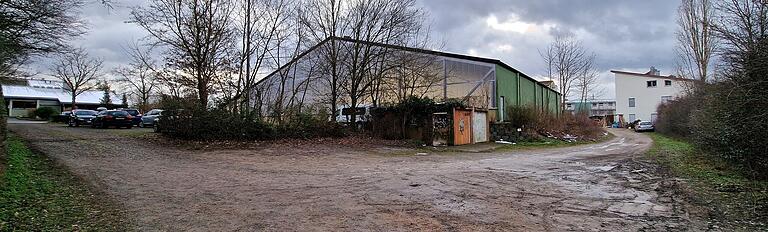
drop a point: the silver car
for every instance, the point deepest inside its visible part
(148, 120)
(644, 126)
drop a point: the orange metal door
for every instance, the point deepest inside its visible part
(462, 127)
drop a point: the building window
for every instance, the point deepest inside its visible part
(594, 104)
(24, 104)
(631, 102)
(651, 83)
(665, 99)
(667, 83)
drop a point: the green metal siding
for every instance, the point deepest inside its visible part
(518, 90)
(527, 94)
(553, 102)
(506, 85)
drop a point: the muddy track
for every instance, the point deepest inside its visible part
(602, 187)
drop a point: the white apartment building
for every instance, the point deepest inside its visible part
(639, 94)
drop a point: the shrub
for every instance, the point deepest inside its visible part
(306, 126)
(184, 120)
(732, 120)
(537, 124)
(44, 112)
(674, 117)
(213, 125)
(732, 124)
(31, 113)
(524, 116)
(410, 118)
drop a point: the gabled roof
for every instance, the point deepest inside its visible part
(671, 77)
(410, 49)
(55, 94)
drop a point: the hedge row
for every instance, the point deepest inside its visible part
(224, 125)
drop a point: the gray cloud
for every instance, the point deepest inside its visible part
(625, 35)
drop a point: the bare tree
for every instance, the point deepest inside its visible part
(140, 75)
(259, 24)
(567, 60)
(198, 39)
(695, 37)
(324, 19)
(34, 29)
(740, 25)
(586, 84)
(378, 21)
(78, 71)
(411, 74)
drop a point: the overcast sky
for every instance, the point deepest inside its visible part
(625, 35)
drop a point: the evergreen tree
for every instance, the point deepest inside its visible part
(106, 99)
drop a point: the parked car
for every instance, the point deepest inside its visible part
(63, 117)
(136, 114)
(644, 126)
(344, 114)
(148, 120)
(116, 118)
(81, 117)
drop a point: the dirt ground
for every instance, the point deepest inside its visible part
(325, 187)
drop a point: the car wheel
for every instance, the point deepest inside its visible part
(155, 128)
(129, 127)
(76, 124)
(141, 124)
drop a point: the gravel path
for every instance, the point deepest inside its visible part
(323, 187)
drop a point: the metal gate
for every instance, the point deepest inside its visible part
(479, 127)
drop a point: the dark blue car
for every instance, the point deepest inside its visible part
(136, 114)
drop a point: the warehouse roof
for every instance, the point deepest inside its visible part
(411, 49)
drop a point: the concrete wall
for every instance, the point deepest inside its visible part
(647, 99)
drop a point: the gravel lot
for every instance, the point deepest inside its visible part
(325, 187)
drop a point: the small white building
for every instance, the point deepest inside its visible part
(24, 97)
(639, 94)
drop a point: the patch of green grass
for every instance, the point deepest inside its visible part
(686, 161)
(134, 132)
(743, 202)
(36, 195)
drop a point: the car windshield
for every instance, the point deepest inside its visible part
(85, 112)
(118, 113)
(132, 112)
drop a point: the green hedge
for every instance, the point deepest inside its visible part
(225, 125)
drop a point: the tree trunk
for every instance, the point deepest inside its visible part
(3, 123)
(353, 105)
(73, 100)
(202, 94)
